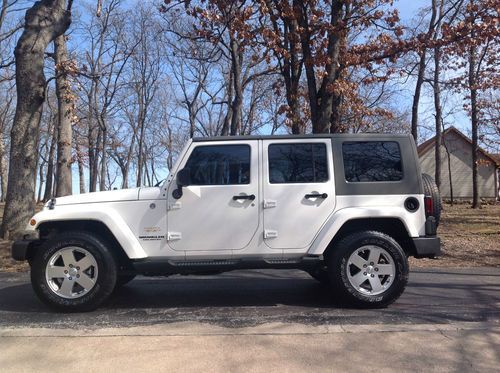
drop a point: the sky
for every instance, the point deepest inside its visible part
(408, 9)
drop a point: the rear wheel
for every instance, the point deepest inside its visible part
(368, 269)
(74, 271)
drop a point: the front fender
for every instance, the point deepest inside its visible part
(109, 217)
(340, 217)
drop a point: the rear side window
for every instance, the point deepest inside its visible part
(297, 163)
(371, 161)
(220, 165)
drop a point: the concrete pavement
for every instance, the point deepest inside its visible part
(447, 320)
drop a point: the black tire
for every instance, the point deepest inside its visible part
(320, 274)
(338, 267)
(431, 189)
(104, 282)
(123, 280)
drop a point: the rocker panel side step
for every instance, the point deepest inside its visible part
(159, 267)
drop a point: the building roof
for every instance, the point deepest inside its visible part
(429, 144)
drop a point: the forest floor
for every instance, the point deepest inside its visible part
(470, 238)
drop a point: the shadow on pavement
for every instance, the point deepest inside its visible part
(245, 298)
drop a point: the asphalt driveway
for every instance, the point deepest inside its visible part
(250, 298)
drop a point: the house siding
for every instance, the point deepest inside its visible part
(461, 169)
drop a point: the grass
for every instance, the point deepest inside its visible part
(470, 238)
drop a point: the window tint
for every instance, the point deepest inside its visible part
(372, 161)
(297, 163)
(220, 165)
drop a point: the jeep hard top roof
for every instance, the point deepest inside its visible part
(344, 136)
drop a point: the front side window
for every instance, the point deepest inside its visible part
(297, 163)
(371, 161)
(219, 165)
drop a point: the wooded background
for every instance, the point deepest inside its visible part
(104, 94)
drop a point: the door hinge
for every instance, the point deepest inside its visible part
(173, 236)
(268, 233)
(270, 203)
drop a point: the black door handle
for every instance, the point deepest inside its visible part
(316, 195)
(251, 197)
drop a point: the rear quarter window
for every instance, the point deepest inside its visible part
(372, 161)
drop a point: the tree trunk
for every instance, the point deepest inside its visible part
(64, 131)
(94, 141)
(44, 21)
(476, 202)
(321, 101)
(421, 75)
(448, 156)
(416, 95)
(104, 160)
(140, 161)
(3, 172)
(49, 177)
(229, 99)
(437, 97)
(81, 174)
(41, 181)
(236, 61)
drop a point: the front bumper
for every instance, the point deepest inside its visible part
(21, 248)
(427, 246)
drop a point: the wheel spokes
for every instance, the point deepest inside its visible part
(75, 265)
(358, 279)
(373, 275)
(375, 284)
(358, 261)
(85, 281)
(56, 272)
(385, 269)
(66, 288)
(374, 256)
(68, 257)
(84, 263)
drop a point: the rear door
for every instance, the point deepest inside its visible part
(219, 210)
(298, 190)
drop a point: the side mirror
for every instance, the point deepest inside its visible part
(183, 179)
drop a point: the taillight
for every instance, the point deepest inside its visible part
(429, 208)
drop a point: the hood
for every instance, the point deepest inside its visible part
(96, 197)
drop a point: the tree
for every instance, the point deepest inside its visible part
(66, 111)
(101, 78)
(145, 76)
(30, 86)
(475, 65)
(421, 73)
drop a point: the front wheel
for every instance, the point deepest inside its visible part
(368, 269)
(74, 271)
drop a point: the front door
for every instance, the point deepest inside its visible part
(219, 209)
(299, 191)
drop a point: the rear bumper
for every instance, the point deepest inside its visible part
(427, 247)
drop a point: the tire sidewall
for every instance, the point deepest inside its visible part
(339, 269)
(106, 277)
